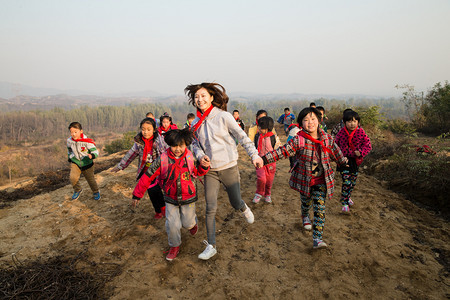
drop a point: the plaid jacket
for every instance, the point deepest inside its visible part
(303, 150)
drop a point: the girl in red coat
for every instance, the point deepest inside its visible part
(312, 174)
(355, 145)
(176, 171)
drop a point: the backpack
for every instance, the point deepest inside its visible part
(165, 166)
(273, 140)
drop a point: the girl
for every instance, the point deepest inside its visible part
(312, 174)
(254, 129)
(148, 145)
(214, 132)
(175, 169)
(166, 124)
(82, 152)
(355, 145)
(265, 142)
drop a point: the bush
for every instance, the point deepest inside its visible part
(400, 127)
(125, 143)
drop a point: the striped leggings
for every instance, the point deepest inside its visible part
(348, 183)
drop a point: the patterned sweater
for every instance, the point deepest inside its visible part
(360, 141)
(304, 151)
(79, 150)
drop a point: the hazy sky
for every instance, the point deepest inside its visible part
(332, 47)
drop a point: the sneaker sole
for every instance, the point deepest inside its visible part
(321, 246)
(307, 227)
(78, 195)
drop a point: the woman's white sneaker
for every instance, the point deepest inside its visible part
(209, 251)
(248, 215)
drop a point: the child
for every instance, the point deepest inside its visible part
(322, 124)
(254, 129)
(82, 152)
(189, 119)
(355, 145)
(214, 132)
(148, 145)
(287, 119)
(340, 125)
(176, 170)
(151, 115)
(238, 120)
(265, 142)
(166, 124)
(312, 174)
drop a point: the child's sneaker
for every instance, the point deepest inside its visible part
(350, 202)
(173, 252)
(248, 215)
(209, 251)
(317, 244)
(194, 229)
(345, 209)
(257, 198)
(268, 199)
(76, 195)
(306, 223)
(97, 196)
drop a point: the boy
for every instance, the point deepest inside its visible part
(238, 120)
(287, 119)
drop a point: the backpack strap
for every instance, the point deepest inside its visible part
(164, 166)
(273, 141)
(190, 163)
(256, 140)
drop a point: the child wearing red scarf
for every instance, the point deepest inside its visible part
(265, 142)
(82, 152)
(176, 171)
(287, 119)
(355, 145)
(148, 145)
(312, 175)
(166, 124)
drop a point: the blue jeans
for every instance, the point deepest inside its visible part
(231, 181)
(177, 217)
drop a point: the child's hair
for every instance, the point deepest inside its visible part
(260, 112)
(216, 90)
(321, 108)
(235, 111)
(150, 121)
(76, 125)
(178, 137)
(312, 104)
(190, 116)
(266, 123)
(345, 111)
(306, 111)
(287, 108)
(149, 115)
(350, 115)
(165, 116)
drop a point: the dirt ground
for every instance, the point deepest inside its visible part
(387, 248)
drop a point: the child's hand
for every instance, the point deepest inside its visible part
(357, 153)
(134, 203)
(90, 156)
(115, 169)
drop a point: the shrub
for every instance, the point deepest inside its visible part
(125, 143)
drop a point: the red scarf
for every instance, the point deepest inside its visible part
(148, 148)
(83, 139)
(162, 130)
(305, 135)
(286, 115)
(350, 137)
(261, 138)
(177, 165)
(202, 117)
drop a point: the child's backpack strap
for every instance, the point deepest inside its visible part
(164, 166)
(256, 140)
(190, 163)
(273, 141)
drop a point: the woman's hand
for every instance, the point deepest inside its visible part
(205, 161)
(258, 162)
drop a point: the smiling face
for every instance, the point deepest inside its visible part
(178, 150)
(165, 123)
(351, 124)
(203, 99)
(75, 133)
(310, 123)
(147, 130)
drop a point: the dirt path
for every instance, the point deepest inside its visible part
(387, 248)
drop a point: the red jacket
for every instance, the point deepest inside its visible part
(177, 184)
